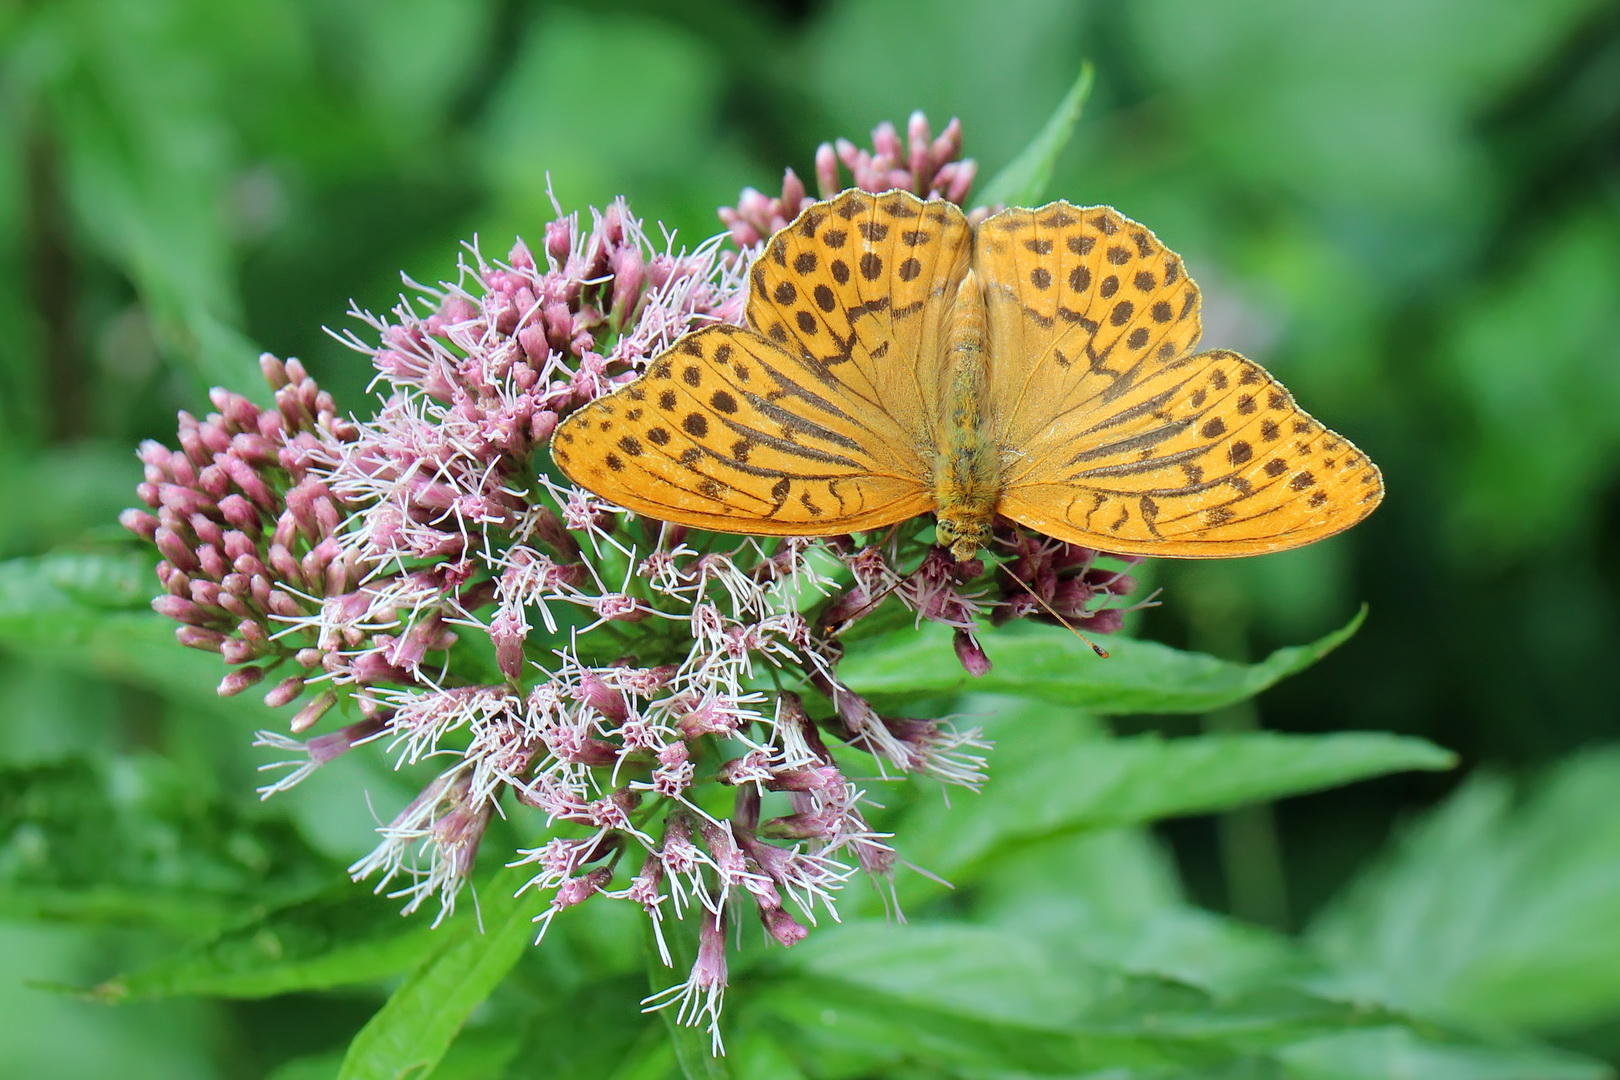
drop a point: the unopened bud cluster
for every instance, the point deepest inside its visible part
(921, 163)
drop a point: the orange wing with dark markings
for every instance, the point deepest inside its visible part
(818, 417)
(1113, 432)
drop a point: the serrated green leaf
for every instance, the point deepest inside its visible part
(995, 1000)
(1492, 911)
(415, 1027)
(1049, 663)
(1022, 182)
(1113, 782)
(342, 939)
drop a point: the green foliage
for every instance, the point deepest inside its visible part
(1024, 179)
(342, 938)
(130, 840)
(1498, 910)
(414, 1029)
(1404, 209)
(1050, 664)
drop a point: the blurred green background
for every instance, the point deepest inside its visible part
(1408, 209)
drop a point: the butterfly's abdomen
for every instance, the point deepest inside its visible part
(967, 470)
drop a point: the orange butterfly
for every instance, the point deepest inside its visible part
(1040, 366)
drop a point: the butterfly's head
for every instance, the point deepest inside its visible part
(963, 531)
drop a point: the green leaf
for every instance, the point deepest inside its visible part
(69, 591)
(1047, 662)
(415, 1027)
(1493, 913)
(1022, 182)
(341, 939)
(133, 840)
(996, 1000)
(92, 609)
(874, 998)
(1112, 782)
(1383, 1052)
(592, 1030)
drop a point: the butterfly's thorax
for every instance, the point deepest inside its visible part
(966, 469)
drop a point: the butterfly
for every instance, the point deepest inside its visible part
(1040, 367)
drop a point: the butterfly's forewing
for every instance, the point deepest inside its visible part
(860, 286)
(727, 431)
(819, 417)
(1114, 433)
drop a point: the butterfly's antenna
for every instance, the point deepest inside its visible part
(1096, 648)
(849, 619)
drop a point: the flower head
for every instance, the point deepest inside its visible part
(421, 575)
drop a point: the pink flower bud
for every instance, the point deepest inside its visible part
(577, 890)
(185, 501)
(619, 607)
(239, 546)
(532, 340)
(239, 680)
(324, 748)
(1106, 621)
(886, 141)
(237, 651)
(145, 525)
(520, 257)
(285, 566)
(827, 181)
(961, 180)
(183, 610)
(285, 692)
(594, 692)
(317, 707)
(507, 632)
(241, 514)
(275, 372)
(195, 637)
(235, 409)
(251, 485)
(559, 240)
(805, 826)
(974, 660)
(154, 455)
(793, 194)
(743, 233)
(782, 927)
(629, 279)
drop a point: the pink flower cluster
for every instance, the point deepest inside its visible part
(633, 664)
